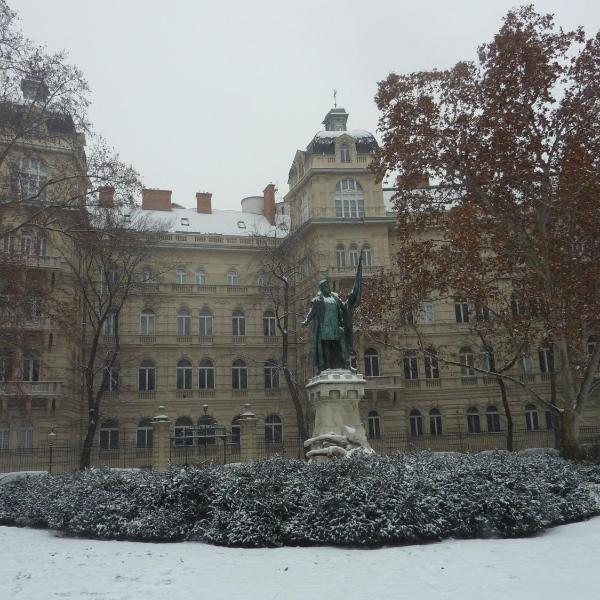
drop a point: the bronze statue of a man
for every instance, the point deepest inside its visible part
(331, 320)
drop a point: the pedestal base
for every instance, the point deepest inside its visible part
(334, 395)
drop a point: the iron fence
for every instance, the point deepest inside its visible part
(198, 450)
(291, 447)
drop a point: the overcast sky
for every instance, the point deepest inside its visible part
(217, 95)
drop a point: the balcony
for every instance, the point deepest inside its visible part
(42, 262)
(31, 388)
(337, 272)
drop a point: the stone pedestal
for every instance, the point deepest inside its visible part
(334, 395)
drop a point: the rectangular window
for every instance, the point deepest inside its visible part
(26, 438)
(147, 379)
(461, 310)
(147, 324)
(4, 443)
(206, 378)
(144, 437)
(109, 439)
(426, 312)
(206, 326)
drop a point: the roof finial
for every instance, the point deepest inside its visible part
(334, 98)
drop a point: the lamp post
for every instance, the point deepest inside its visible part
(51, 440)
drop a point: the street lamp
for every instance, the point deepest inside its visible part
(51, 440)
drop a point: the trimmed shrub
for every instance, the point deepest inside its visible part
(366, 500)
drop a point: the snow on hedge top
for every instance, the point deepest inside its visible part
(218, 222)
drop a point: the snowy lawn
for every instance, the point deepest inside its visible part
(560, 564)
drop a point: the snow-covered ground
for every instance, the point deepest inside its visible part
(560, 564)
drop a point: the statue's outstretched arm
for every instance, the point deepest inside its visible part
(311, 314)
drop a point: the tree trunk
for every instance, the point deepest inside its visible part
(508, 414)
(569, 433)
(88, 442)
(297, 400)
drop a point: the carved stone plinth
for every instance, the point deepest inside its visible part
(334, 395)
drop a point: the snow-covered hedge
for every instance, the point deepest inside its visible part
(365, 500)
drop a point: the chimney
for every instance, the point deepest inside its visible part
(203, 202)
(156, 199)
(269, 200)
(106, 196)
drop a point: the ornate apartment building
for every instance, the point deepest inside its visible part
(200, 336)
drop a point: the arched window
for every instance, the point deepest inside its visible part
(31, 367)
(184, 430)
(144, 434)
(232, 277)
(273, 429)
(340, 255)
(493, 419)
(371, 362)
(531, 418)
(416, 422)
(205, 323)
(432, 368)
(262, 279)
(488, 360)
(271, 371)
(147, 376)
(41, 244)
(304, 207)
(110, 379)
(200, 277)
(181, 275)
(206, 431)
(109, 435)
(461, 310)
(238, 323)
(269, 324)
(184, 374)
(473, 424)
(515, 304)
(184, 322)
(527, 363)
(467, 360)
(32, 178)
(353, 255)
(546, 360)
(349, 199)
(147, 275)
(239, 375)
(206, 374)
(411, 366)
(345, 153)
(26, 242)
(367, 255)
(374, 424)
(147, 322)
(435, 422)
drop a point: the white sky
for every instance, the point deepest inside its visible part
(218, 95)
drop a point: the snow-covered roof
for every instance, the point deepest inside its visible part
(355, 133)
(220, 222)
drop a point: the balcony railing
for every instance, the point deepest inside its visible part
(31, 388)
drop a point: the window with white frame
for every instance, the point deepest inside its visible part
(461, 310)
(31, 368)
(238, 323)
(371, 362)
(304, 207)
(144, 434)
(10, 243)
(467, 360)
(273, 429)
(432, 368)
(527, 364)
(411, 366)
(32, 177)
(262, 280)
(181, 276)
(147, 376)
(26, 242)
(473, 423)
(340, 256)
(345, 153)
(184, 374)
(205, 323)
(353, 255)
(532, 422)
(147, 322)
(236, 430)
(269, 324)
(184, 322)
(488, 360)
(493, 419)
(4, 438)
(200, 277)
(110, 323)
(546, 359)
(232, 277)
(415, 420)
(41, 244)
(110, 379)
(206, 374)
(271, 373)
(109, 435)
(349, 199)
(426, 312)
(515, 304)
(367, 255)
(374, 425)
(239, 375)
(25, 437)
(435, 422)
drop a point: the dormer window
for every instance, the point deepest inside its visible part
(241, 225)
(185, 221)
(345, 153)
